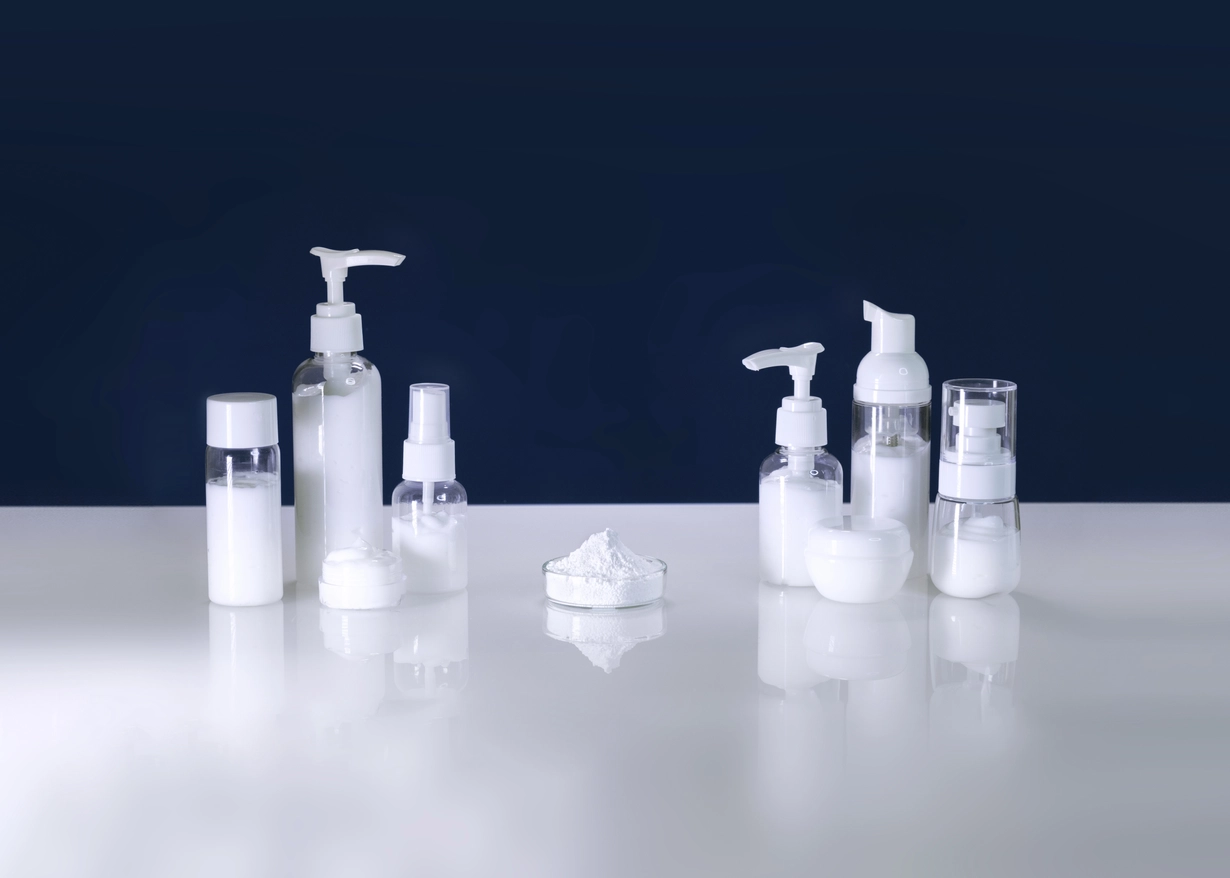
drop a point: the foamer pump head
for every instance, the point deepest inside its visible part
(892, 372)
(802, 421)
(429, 453)
(336, 328)
(978, 454)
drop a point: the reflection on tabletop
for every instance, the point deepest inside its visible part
(974, 646)
(604, 636)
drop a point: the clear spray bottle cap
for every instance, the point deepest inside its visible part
(429, 453)
(802, 421)
(978, 450)
(336, 327)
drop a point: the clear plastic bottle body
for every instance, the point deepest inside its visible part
(798, 487)
(243, 507)
(429, 533)
(976, 547)
(337, 456)
(890, 465)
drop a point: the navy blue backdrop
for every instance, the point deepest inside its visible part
(600, 221)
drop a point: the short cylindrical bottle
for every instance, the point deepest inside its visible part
(429, 507)
(800, 482)
(336, 410)
(890, 451)
(976, 531)
(243, 499)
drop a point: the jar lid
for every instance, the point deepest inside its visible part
(241, 420)
(858, 536)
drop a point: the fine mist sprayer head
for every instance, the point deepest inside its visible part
(429, 453)
(802, 421)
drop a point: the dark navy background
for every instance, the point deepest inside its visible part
(601, 218)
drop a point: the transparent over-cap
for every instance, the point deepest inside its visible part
(429, 415)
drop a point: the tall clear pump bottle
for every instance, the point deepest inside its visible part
(976, 531)
(890, 450)
(336, 411)
(800, 482)
(429, 507)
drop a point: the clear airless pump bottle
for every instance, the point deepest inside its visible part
(976, 532)
(890, 450)
(336, 409)
(429, 508)
(800, 483)
(243, 499)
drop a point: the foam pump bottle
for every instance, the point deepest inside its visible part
(336, 411)
(243, 499)
(800, 483)
(429, 507)
(890, 449)
(976, 532)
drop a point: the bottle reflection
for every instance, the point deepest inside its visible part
(974, 645)
(432, 661)
(604, 636)
(801, 723)
(349, 684)
(247, 681)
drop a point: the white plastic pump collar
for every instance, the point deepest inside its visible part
(802, 421)
(892, 372)
(336, 328)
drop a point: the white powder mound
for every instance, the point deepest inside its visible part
(603, 556)
(603, 572)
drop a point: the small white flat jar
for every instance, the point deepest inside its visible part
(589, 591)
(857, 559)
(361, 578)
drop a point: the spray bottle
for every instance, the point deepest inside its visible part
(800, 483)
(429, 508)
(890, 451)
(976, 534)
(336, 409)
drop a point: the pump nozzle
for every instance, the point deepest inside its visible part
(801, 421)
(890, 333)
(892, 372)
(333, 265)
(335, 325)
(801, 360)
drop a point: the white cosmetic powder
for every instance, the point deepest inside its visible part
(603, 572)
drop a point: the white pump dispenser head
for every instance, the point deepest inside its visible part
(336, 328)
(802, 421)
(429, 454)
(892, 372)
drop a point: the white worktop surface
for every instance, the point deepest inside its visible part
(145, 732)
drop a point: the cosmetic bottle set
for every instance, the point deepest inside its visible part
(340, 527)
(343, 544)
(972, 547)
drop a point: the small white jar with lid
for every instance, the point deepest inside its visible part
(857, 559)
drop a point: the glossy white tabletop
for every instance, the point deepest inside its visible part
(1077, 727)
